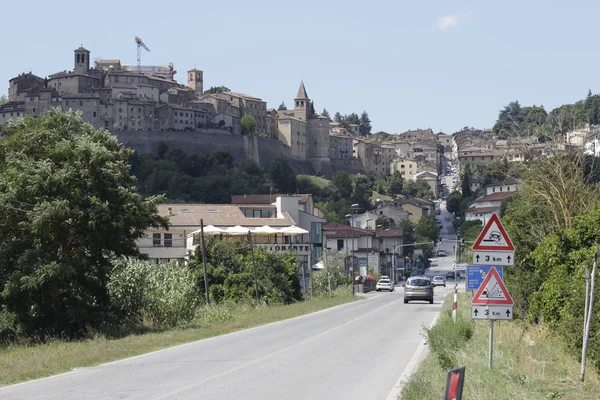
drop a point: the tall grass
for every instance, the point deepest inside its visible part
(528, 363)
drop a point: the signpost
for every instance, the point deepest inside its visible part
(492, 300)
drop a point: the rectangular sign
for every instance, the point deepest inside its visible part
(491, 312)
(477, 273)
(493, 257)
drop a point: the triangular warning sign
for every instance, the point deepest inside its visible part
(492, 291)
(493, 237)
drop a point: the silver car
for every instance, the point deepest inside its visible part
(418, 288)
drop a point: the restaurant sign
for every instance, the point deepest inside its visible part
(282, 248)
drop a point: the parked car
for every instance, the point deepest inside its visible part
(418, 288)
(441, 253)
(438, 281)
(384, 284)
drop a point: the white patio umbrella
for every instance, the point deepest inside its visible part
(237, 230)
(265, 230)
(210, 230)
(293, 230)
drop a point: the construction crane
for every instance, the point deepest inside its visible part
(140, 45)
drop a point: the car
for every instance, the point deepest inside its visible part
(418, 288)
(441, 253)
(438, 281)
(384, 284)
(385, 277)
(450, 275)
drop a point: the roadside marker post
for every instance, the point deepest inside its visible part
(454, 384)
(454, 304)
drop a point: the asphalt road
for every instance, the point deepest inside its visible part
(354, 351)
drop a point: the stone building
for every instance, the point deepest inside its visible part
(292, 132)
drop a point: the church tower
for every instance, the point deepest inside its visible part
(302, 104)
(196, 80)
(82, 61)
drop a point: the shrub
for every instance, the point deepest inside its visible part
(446, 337)
(163, 295)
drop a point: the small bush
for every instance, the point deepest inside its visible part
(161, 295)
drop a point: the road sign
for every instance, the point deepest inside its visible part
(493, 257)
(491, 312)
(493, 237)
(476, 275)
(492, 291)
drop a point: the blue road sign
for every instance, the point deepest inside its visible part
(476, 274)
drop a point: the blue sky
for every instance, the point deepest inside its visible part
(411, 64)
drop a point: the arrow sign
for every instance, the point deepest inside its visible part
(493, 257)
(493, 237)
(491, 312)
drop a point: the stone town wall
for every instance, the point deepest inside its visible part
(260, 149)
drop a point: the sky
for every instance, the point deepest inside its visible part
(412, 64)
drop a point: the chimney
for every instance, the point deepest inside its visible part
(170, 211)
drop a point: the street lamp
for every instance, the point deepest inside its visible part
(353, 207)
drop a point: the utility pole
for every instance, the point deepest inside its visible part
(587, 315)
(204, 262)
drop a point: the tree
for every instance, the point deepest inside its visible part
(384, 222)
(427, 228)
(417, 189)
(365, 124)
(395, 184)
(343, 183)
(282, 107)
(465, 181)
(162, 149)
(218, 89)
(281, 175)
(3, 99)
(453, 202)
(338, 117)
(312, 108)
(510, 120)
(248, 125)
(325, 113)
(70, 207)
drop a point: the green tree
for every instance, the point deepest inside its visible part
(427, 228)
(365, 124)
(248, 125)
(343, 183)
(453, 202)
(282, 107)
(3, 99)
(217, 89)
(70, 206)
(325, 113)
(408, 230)
(338, 117)
(162, 149)
(312, 108)
(465, 181)
(384, 222)
(395, 184)
(417, 189)
(281, 175)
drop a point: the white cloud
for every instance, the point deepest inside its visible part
(451, 21)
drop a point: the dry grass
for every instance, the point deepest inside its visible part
(529, 363)
(21, 363)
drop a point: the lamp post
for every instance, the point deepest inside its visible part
(346, 220)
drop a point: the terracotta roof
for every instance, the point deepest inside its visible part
(482, 210)
(382, 233)
(495, 197)
(502, 183)
(264, 198)
(340, 230)
(218, 215)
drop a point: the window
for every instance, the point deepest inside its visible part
(83, 58)
(80, 103)
(156, 240)
(78, 58)
(168, 240)
(33, 109)
(94, 113)
(67, 103)
(340, 244)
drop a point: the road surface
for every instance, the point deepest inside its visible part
(354, 351)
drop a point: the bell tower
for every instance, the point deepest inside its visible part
(82, 61)
(302, 104)
(196, 80)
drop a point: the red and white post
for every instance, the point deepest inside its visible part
(454, 304)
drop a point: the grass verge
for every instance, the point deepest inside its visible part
(22, 363)
(317, 180)
(528, 362)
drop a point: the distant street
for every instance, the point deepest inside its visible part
(355, 351)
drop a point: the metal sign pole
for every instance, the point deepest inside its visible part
(491, 342)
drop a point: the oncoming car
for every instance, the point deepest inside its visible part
(418, 288)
